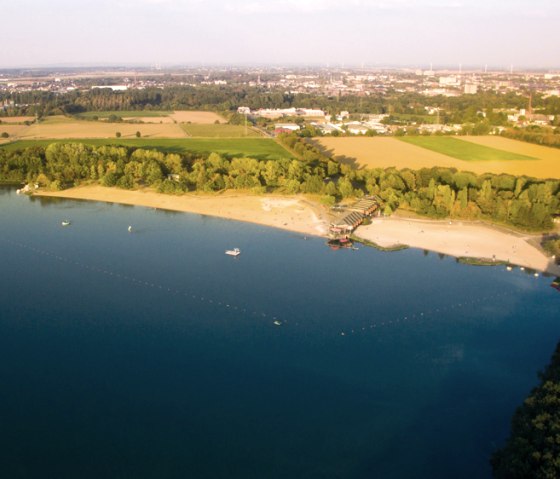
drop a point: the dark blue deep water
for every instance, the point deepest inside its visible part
(154, 355)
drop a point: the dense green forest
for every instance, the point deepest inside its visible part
(533, 449)
(523, 202)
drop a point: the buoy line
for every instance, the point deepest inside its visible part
(142, 282)
(424, 315)
(376, 325)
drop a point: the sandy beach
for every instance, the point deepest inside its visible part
(458, 239)
(289, 213)
(453, 238)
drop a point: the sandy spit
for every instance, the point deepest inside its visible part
(459, 239)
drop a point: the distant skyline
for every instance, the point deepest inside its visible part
(499, 33)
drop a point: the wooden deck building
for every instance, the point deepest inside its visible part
(353, 216)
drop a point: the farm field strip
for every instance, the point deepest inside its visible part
(517, 146)
(202, 117)
(219, 131)
(466, 151)
(12, 129)
(258, 148)
(386, 152)
(77, 129)
(15, 119)
(124, 113)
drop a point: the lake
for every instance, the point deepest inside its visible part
(152, 354)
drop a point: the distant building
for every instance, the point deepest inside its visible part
(309, 112)
(449, 81)
(327, 128)
(471, 89)
(358, 129)
(111, 87)
(353, 217)
(538, 119)
(285, 128)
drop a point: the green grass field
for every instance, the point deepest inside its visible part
(219, 131)
(258, 148)
(124, 114)
(463, 150)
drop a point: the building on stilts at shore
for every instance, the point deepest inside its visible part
(351, 217)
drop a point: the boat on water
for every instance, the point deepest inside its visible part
(556, 284)
(65, 223)
(130, 229)
(233, 252)
(277, 323)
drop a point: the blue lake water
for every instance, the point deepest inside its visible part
(155, 355)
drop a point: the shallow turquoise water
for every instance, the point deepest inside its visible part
(153, 354)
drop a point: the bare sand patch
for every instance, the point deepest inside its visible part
(93, 129)
(203, 117)
(458, 239)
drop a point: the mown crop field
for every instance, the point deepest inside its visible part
(258, 148)
(60, 127)
(15, 119)
(219, 131)
(13, 131)
(385, 152)
(202, 117)
(463, 150)
(124, 114)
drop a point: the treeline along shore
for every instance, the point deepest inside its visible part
(533, 448)
(522, 202)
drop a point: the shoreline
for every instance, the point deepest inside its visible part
(459, 239)
(290, 213)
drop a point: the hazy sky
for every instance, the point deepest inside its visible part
(417, 32)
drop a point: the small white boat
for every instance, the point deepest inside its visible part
(509, 268)
(277, 323)
(65, 223)
(130, 229)
(233, 252)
